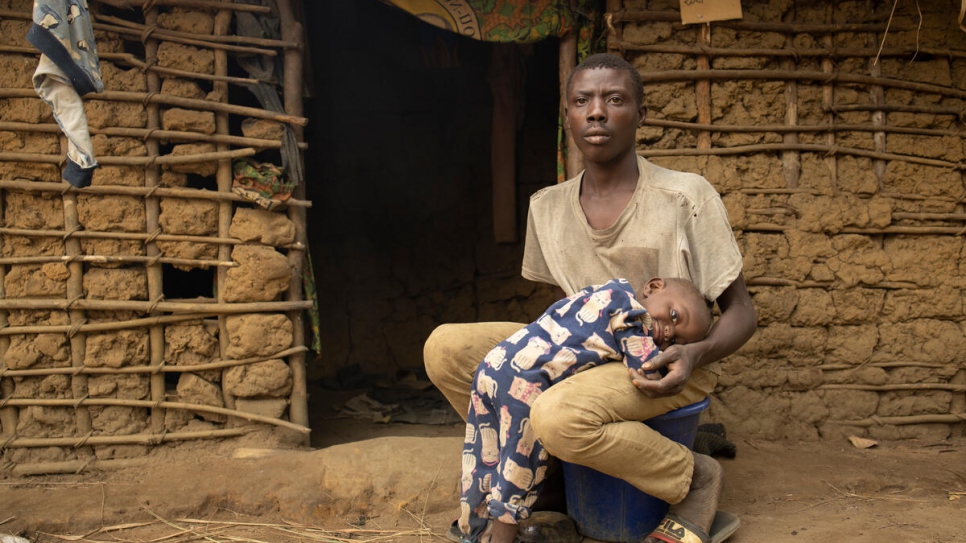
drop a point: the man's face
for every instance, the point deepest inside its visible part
(603, 114)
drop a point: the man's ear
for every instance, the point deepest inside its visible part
(643, 115)
(653, 285)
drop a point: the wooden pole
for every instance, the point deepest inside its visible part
(8, 416)
(165, 307)
(130, 370)
(149, 134)
(223, 178)
(173, 101)
(76, 315)
(791, 160)
(136, 439)
(702, 87)
(200, 194)
(573, 161)
(152, 179)
(292, 31)
(82, 403)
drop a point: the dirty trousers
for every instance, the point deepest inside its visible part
(591, 418)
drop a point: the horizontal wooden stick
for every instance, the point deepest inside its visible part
(173, 37)
(783, 129)
(934, 110)
(176, 101)
(131, 60)
(797, 28)
(670, 76)
(102, 326)
(166, 307)
(808, 147)
(75, 466)
(134, 370)
(49, 402)
(836, 367)
(135, 439)
(815, 52)
(780, 282)
(106, 259)
(213, 4)
(896, 387)
(908, 230)
(134, 236)
(146, 133)
(168, 34)
(119, 190)
(134, 160)
(930, 216)
(900, 421)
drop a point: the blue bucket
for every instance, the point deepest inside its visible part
(606, 508)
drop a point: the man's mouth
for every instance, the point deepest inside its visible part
(596, 136)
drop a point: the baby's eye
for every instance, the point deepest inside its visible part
(674, 316)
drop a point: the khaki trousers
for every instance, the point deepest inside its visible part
(591, 418)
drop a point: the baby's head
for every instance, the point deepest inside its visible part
(679, 313)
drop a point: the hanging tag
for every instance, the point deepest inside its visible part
(705, 11)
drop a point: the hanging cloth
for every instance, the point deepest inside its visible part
(68, 69)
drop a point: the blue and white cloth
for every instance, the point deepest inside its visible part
(503, 465)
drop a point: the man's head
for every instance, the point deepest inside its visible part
(613, 62)
(679, 313)
(603, 110)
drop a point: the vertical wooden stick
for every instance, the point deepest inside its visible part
(223, 178)
(791, 160)
(8, 415)
(75, 290)
(152, 178)
(878, 116)
(615, 32)
(292, 31)
(828, 101)
(574, 162)
(702, 88)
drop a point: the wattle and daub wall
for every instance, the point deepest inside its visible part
(156, 305)
(834, 134)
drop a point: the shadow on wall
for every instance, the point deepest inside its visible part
(398, 172)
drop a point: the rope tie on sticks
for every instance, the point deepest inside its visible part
(82, 441)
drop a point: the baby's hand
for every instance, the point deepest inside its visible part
(638, 376)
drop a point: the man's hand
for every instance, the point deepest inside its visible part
(679, 361)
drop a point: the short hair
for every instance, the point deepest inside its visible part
(691, 290)
(614, 62)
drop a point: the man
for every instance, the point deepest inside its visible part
(621, 217)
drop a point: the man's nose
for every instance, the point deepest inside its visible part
(596, 112)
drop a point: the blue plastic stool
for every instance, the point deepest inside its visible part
(608, 509)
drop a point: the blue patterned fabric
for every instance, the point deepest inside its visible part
(68, 69)
(503, 465)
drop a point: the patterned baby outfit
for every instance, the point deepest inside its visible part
(68, 69)
(503, 465)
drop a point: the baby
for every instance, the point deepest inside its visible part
(503, 465)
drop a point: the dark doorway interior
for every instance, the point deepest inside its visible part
(398, 170)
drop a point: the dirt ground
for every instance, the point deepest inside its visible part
(364, 481)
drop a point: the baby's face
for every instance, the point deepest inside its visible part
(677, 316)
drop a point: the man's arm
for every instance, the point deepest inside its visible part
(736, 325)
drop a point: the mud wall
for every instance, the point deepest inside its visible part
(840, 159)
(157, 305)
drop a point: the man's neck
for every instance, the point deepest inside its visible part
(602, 179)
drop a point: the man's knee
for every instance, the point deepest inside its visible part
(561, 426)
(438, 352)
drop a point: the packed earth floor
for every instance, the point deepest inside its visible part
(364, 481)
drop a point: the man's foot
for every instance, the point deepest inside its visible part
(701, 503)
